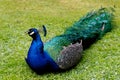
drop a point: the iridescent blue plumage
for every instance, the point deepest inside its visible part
(37, 58)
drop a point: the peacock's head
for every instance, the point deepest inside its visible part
(33, 31)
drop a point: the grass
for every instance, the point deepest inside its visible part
(100, 61)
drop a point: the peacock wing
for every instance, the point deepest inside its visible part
(70, 56)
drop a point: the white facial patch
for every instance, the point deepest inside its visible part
(32, 33)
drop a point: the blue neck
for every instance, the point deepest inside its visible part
(37, 38)
(36, 45)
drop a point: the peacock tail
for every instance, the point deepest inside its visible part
(88, 29)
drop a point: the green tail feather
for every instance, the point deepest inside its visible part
(88, 29)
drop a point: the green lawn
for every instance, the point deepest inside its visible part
(99, 62)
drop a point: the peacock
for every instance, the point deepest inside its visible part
(64, 51)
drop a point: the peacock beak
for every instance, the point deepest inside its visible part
(26, 32)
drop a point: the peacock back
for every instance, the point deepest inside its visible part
(89, 28)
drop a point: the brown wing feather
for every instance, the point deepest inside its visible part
(70, 56)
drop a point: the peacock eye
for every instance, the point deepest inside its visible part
(32, 33)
